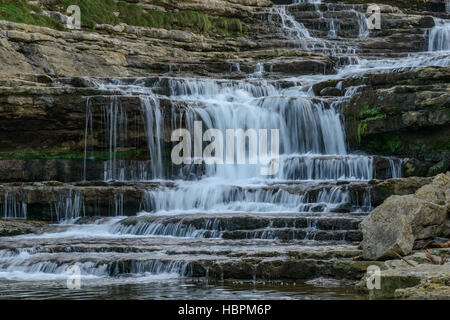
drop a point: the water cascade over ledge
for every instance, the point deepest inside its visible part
(185, 219)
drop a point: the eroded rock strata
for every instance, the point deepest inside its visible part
(86, 118)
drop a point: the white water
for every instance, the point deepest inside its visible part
(14, 206)
(292, 27)
(303, 38)
(439, 38)
(214, 195)
(69, 208)
(313, 143)
(19, 266)
(313, 150)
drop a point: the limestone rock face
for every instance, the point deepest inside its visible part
(17, 227)
(421, 280)
(410, 118)
(395, 225)
(437, 192)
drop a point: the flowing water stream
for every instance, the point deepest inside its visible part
(190, 225)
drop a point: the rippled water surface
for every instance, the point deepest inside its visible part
(158, 289)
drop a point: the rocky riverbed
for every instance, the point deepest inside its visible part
(86, 171)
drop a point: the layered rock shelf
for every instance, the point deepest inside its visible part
(89, 119)
(39, 200)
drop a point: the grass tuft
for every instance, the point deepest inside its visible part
(22, 12)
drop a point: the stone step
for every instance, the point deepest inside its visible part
(105, 242)
(215, 259)
(243, 226)
(287, 234)
(53, 201)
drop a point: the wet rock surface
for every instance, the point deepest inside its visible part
(393, 227)
(97, 198)
(101, 103)
(418, 278)
(408, 117)
(10, 227)
(216, 259)
(246, 226)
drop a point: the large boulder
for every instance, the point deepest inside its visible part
(418, 279)
(393, 227)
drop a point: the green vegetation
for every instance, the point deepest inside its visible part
(370, 114)
(388, 143)
(362, 128)
(394, 143)
(365, 115)
(74, 155)
(115, 12)
(432, 146)
(228, 26)
(397, 106)
(22, 12)
(92, 12)
(441, 146)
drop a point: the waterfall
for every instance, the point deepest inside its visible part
(219, 196)
(208, 229)
(88, 131)
(304, 126)
(395, 167)
(297, 32)
(115, 121)
(439, 38)
(259, 70)
(332, 33)
(363, 31)
(14, 206)
(153, 127)
(292, 27)
(219, 220)
(316, 167)
(69, 207)
(312, 136)
(17, 263)
(114, 125)
(199, 219)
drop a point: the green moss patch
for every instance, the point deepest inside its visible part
(363, 117)
(22, 12)
(370, 114)
(114, 12)
(387, 144)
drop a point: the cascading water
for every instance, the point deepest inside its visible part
(312, 146)
(439, 38)
(319, 194)
(291, 26)
(114, 123)
(153, 127)
(69, 207)
(326, 14)
(14, 206)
